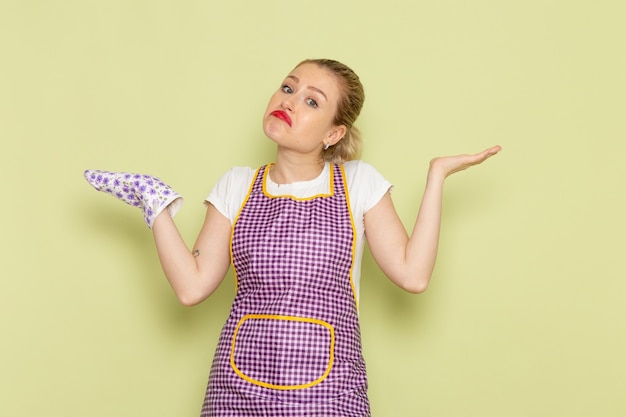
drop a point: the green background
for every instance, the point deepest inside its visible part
(525, 315)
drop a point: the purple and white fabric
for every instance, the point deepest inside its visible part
(146, 192)
(291, 345)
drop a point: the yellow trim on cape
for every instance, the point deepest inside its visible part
(354, 234)
(232, 229)
(330, 194)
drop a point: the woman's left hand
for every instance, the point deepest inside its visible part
(447, 165)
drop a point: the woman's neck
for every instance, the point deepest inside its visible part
(289, 169)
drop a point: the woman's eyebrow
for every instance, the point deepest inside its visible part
(310, 87)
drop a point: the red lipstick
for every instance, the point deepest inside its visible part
(282, 116)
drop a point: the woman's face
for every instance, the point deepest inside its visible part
(300, 114)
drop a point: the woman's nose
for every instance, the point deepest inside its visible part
(287, 103)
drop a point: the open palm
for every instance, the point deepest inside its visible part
(447, 165)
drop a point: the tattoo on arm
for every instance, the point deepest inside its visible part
(196, 253)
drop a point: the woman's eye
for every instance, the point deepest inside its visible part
(311, 102)
(287, 89)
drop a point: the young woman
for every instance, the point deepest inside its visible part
(294, 231)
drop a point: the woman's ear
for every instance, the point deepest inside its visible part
(335, 135)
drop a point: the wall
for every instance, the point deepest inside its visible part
(525, 314)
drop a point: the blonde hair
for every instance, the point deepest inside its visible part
(348, 109)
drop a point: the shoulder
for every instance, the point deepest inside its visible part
(366, 186)
(358, 170)
(236, 177)
(239, 172)
(230, 191)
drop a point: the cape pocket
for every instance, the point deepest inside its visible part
(282, 352)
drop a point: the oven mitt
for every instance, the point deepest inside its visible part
(144, 191)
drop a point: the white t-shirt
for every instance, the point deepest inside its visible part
(365, 189)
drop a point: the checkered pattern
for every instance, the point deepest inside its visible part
(291, 345)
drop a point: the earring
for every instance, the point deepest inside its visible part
(326, 146)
